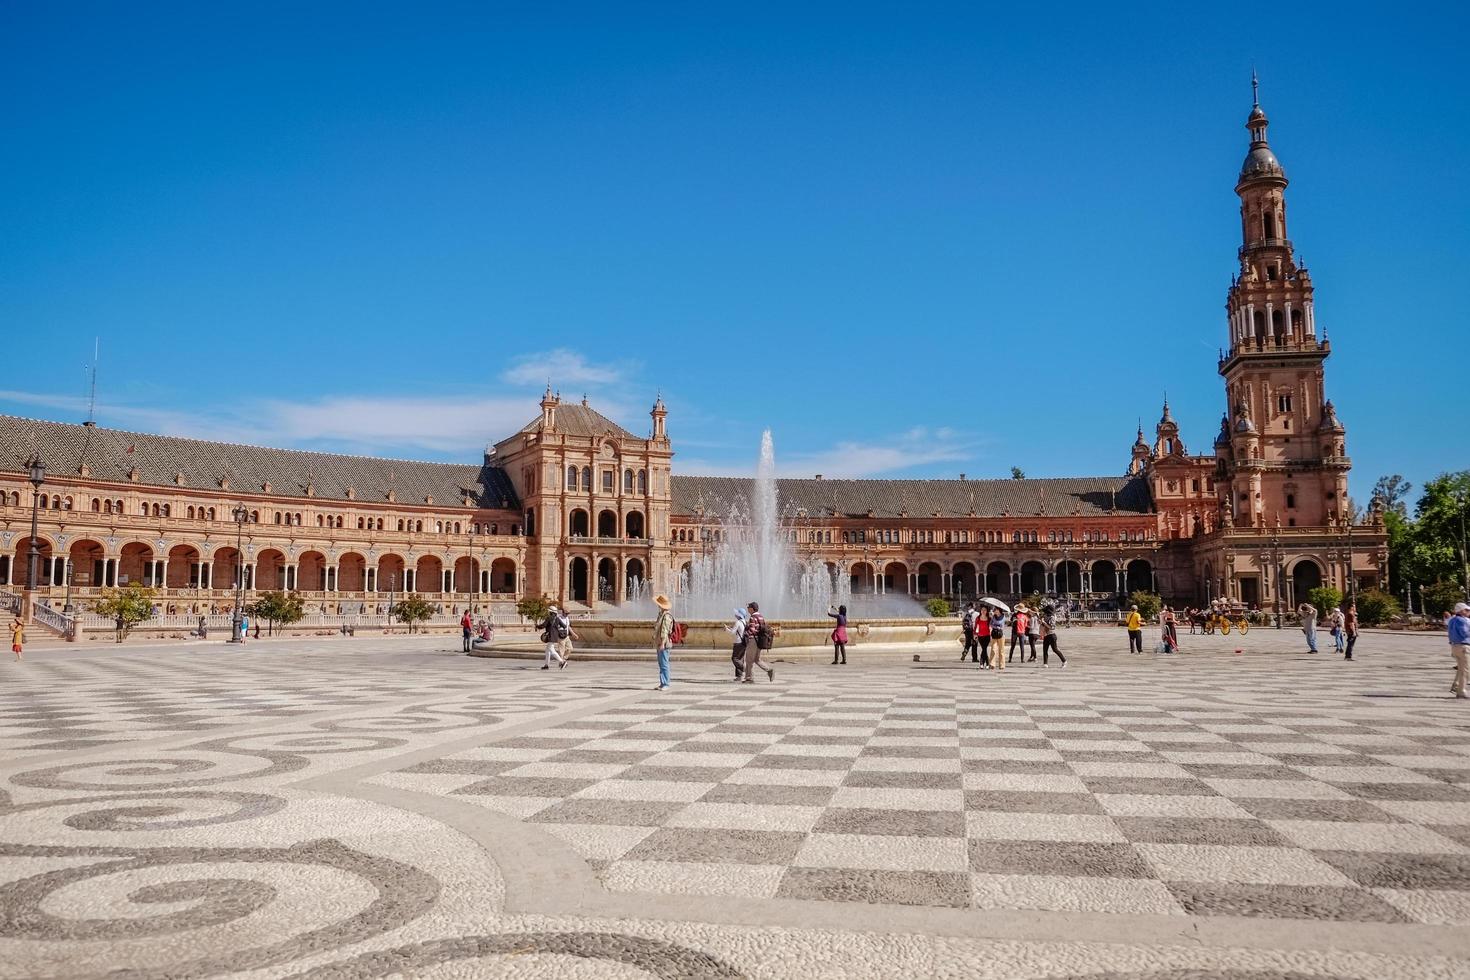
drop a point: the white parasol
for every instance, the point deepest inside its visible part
(995, 604)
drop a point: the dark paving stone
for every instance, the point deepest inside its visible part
(1459, 833)
(1407, 792)
(1199, 830)
(795, 739)
(936, 888)
(1334, 760)
(730, 746)
(737, 729)
(1023, 802)
(1141, 785)
(1355, 811)
(1102, 755)
(1374, 870)
(1023, 766)
(467, 767)
(1263, 771)
(903, 780)
(756, 793)
(599, 756)
(537, 743)
(775, 761)
(525, 786)
(912, 751)
(678, 774)
(1284, 902)
(1039, 742)
(621, 813)
(718, 846)
(1057, 858)
(903, 823)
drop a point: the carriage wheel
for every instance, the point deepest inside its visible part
(1243, 626)
(1225, 627)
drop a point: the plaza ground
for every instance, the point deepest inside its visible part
(387, 807)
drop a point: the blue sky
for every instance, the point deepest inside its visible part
(910, 239)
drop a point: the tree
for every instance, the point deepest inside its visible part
(1376, 607)
(938, 607)
(1393, 490)
(1017, 473)
(1148, 603)
(278, 607)
(126, 607)
(1325, 598)
(534, 608)
(412, 610)
(1441, 597)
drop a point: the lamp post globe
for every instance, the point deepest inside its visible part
(237, 621)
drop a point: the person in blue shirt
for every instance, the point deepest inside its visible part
(1458, 627)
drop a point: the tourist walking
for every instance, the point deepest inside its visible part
(758, 636)
(1458, 627)
(982, 637)
(1033, 629)
(1019, 620)
(556, 628)
(1049, 634)
(997, 630)
(839, 635)
(17, 638)
(737, 651)
(967, 627)
(1308, 614)
(1339, 640)
(1135, 630)
(1170, 630)
(1350, 629)
(466, 625)
(663, 637)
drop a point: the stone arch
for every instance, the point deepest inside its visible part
(635, 577)
(466, 570)
(633, 524)
(577, 579)
(503, 576)
(311, 572)
(998, 578)
(929, 579)
(136, 563)
(1306, 574)
(1140, 576)
(352, 572)
(896, 578)
(1033, 577)
(963, 579)
(607, 579)
(1104, 576)
(1069, 577)
(88, 562)
(183, 567)
(390, 572)
(607, 524)
(270, 570)
(428, 574)
(224, 563)
(860, 578)
(578, 524)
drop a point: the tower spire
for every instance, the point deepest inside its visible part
(1255, 89)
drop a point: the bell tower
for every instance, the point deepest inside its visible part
(1286, 456)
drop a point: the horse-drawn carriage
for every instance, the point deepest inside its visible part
(1220, 617)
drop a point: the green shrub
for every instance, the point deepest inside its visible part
(278, 607)
(1325, 598)
(1441, 597)
(1148, 603)
(413, 609)
(1376, 606)
(938, 607)
(127, 606)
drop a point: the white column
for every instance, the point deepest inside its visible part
(1250, 319)
(1311, 320)
(1286, 312)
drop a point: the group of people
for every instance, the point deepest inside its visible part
(752, 635)
(1343, 627)
(984, 633)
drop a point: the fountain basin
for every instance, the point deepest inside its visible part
(615, 634)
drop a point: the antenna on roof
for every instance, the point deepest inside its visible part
(92, 391)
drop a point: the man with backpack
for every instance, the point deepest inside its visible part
(758, 636)
(967, 623)
(664, 628)
(556, 629)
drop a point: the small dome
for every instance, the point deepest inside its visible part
(1261, 162)
(1222, 438)
(1329, 421)
(1244, 424)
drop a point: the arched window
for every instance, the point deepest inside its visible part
(643, 481)
(188, 513)
(360, 523)
(278, 517)
(587, 478)
(321, 521)
(96, 505)
(418, 527)
(380, 524)
(456, 527)
(571, 478)
(211, 513)
(494, 528)
(627, 481)
(531, 522)
(1268, 225)
(400, 524)
(167, 509)
(255, 517)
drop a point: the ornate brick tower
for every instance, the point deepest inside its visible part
(1284, 461)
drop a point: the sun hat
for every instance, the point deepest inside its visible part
(1460, 607)
(739, 613)
(661, 600)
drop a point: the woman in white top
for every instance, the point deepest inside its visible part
(737, 652)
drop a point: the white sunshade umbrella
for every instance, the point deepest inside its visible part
(995, 604)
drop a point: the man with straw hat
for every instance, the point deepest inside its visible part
(663, 638)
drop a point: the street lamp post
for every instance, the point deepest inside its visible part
(37, 475)
(1276, 564)
(237, 622)
(474, 572)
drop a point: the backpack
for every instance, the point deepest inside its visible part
(765, 637)
(678, 632)
(563, 628)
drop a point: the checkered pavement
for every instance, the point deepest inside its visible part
(983, 800)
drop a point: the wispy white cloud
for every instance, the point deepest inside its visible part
(851, 459)
(564, 369)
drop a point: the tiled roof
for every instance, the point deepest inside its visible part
(65, 446)
(1087, 495)
(581, 420)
